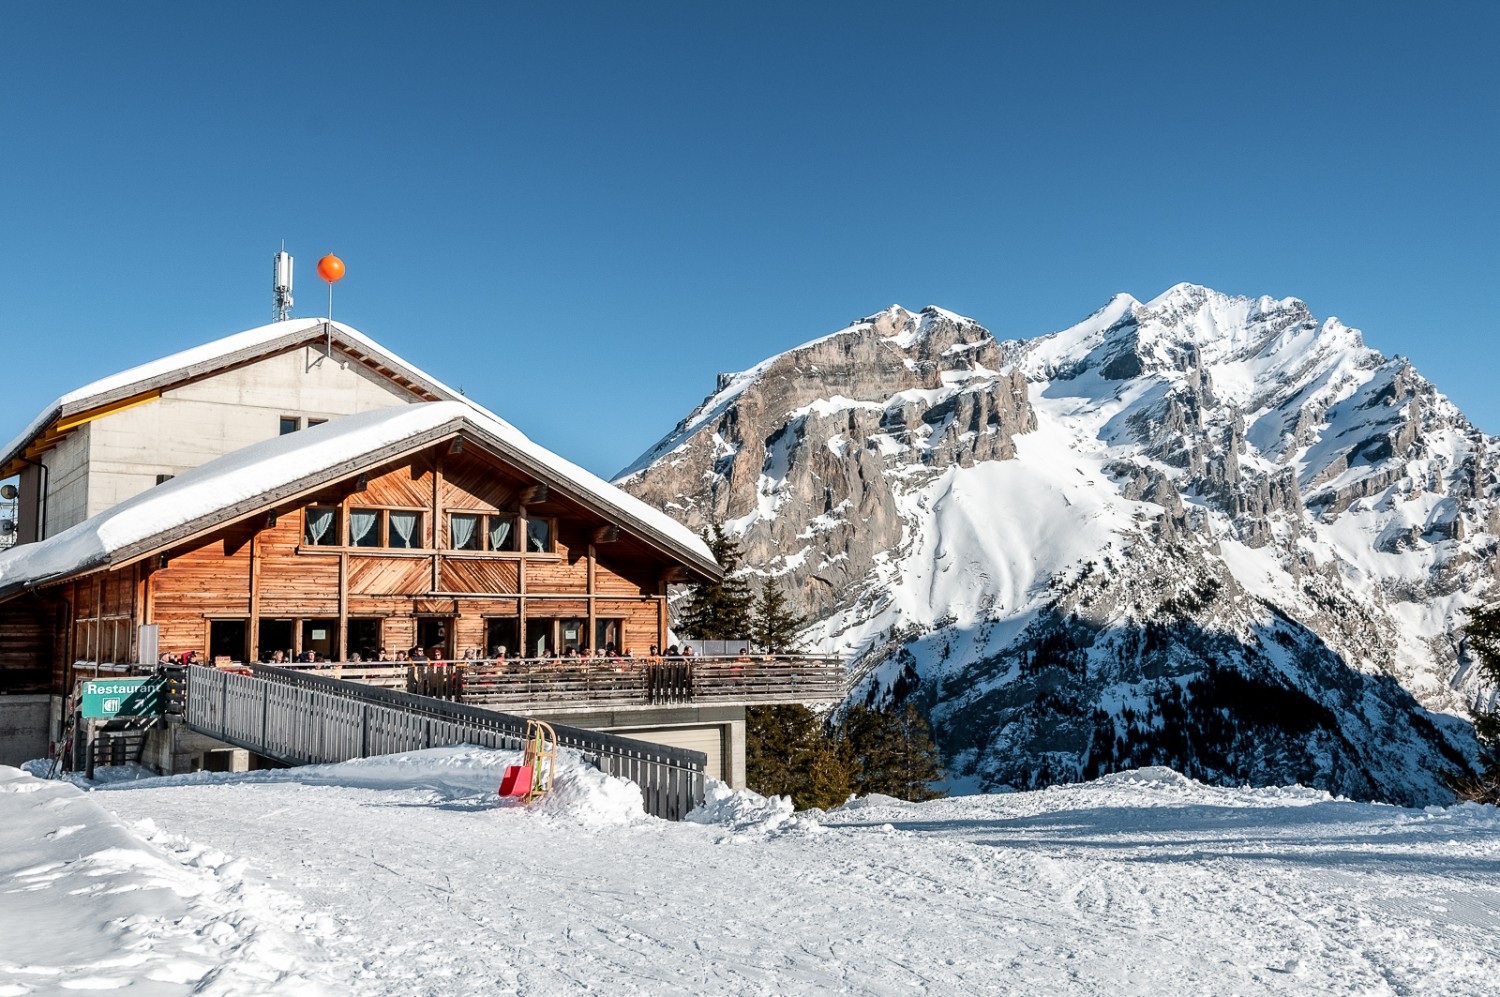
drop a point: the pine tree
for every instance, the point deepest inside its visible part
(1484, 638)
(830, 778)
(892, 752)
(780, 742)
(775, 627)
(719, 610)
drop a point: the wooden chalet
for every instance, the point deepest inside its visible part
(299, 489)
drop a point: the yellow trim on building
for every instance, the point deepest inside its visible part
(74, 421)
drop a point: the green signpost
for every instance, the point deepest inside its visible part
(105, 698)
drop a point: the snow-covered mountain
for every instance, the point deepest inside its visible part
(1205, 531)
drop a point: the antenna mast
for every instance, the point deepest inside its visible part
(282, 284)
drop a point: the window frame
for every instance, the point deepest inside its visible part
(337, 532)
(483, 533)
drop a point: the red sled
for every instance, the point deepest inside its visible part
(517, 780)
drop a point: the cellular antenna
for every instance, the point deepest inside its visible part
(282, 284)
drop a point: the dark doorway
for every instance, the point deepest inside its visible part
(365, 638)
(435, 631)
(503, 632)
(275, 635)
(228, 639)
(321, 636)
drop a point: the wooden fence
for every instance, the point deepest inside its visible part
(300, 719)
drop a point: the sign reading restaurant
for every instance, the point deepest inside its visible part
(105, 698)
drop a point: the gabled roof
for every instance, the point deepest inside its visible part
(149, 380)
(266, 474)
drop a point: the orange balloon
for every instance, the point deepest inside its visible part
(331, 268)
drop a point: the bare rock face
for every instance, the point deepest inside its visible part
(1202, 531)
(803, 454)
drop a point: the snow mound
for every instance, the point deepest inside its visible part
(747, 815)
(1160, 779)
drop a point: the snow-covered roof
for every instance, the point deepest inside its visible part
(267, 473)
(220, 354)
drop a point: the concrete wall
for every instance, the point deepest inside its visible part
(24, 728)
(192, 425)
(644, 722)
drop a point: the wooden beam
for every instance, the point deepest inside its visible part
(589, 637)
(74, 421)
(343, 636)
(254, 627)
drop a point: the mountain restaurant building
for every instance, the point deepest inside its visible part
(299, 489)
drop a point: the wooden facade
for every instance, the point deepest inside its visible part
(264, 582)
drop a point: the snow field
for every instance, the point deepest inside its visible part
(406, 875)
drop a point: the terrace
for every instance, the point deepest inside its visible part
(541, 685)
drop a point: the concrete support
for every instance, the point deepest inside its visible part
(172, 749)
(25, 727)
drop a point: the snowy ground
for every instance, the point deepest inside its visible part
(406, 875)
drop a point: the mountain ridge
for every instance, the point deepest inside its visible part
(1240, 475)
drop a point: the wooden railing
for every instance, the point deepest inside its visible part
(301, 718)
(567, 683)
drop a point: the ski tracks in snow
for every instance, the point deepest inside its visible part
(1119, 887)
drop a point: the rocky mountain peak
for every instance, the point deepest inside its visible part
(1056, 545)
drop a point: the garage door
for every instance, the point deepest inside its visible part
(709, 740)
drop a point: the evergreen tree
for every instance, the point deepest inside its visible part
(830, 777)
(892, 752)
(775, 627)
(780, 742)
(719, 610)
(1484, 638)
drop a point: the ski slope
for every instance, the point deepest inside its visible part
(406, 875)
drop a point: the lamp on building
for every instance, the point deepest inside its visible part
(457, 446)
(363, 483)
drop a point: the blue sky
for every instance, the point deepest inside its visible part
(580, 213)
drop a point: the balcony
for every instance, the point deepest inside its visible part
(554, 684)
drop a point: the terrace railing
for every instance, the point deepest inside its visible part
(300, 718)
(555, 684)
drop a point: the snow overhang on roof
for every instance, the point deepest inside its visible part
(263, 475)
(148, 381)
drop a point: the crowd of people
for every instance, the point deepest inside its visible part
(437, 655)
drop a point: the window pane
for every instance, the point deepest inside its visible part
(539, 535)
(364, 527)
(404, 529)
(321, 527)
(289, 424)
(502, 533)
(463, 531)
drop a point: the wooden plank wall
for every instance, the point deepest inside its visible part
(28, 659)
(260, 570)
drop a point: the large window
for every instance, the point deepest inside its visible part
(399, 528)
(364, 527)
(539, 536)
(474, 531)
(320, 526)
(403, 528)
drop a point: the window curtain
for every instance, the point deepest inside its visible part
(536, 535)
(500, 530)
(362, 527)
(403, 529)
(462, 528)
(319, 525)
